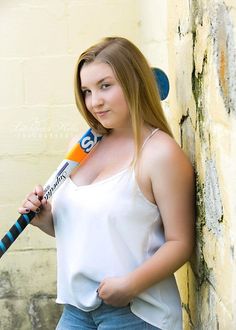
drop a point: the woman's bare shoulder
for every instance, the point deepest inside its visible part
(164, 153)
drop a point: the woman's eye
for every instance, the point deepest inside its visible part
(85, 92)
(105, 86)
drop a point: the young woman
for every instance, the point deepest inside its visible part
(124, 221)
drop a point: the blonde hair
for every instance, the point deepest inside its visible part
(136, 79)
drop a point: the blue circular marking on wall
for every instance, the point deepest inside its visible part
(162, 82)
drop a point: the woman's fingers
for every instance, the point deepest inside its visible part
(31, 204)
(33, 201)
(23, 210)
(38, 190)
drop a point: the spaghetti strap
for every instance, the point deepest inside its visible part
(149, 136)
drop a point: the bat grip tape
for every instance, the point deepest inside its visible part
(15, 231)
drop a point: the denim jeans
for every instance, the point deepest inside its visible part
(104, 317)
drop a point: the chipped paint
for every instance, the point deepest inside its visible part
(213, 203)
(206, 134)
(223, 31)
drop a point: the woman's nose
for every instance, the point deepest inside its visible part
(97, 100)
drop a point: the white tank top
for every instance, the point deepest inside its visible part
(107, 229)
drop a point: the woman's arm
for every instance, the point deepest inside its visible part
(172, 180)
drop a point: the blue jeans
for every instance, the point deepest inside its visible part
(104, 317)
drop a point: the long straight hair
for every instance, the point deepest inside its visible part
(137, 81)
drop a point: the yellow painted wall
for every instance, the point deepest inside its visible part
(39, 43)
(194, 42)
(202, 53)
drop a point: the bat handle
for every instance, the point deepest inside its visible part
(15, 231)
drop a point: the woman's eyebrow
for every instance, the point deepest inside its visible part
(101, 80)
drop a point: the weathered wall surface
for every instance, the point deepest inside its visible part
(194, 42)
(40, 41)
(202, 57)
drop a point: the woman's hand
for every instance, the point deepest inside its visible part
(116, 291)
(36, 203)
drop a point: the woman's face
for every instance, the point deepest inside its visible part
(103, 96)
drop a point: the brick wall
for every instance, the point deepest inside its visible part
(202, 69)
(194, 42)
(40, 42)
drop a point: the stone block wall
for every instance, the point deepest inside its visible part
(202, 57)
(40, 41)
(194, 42)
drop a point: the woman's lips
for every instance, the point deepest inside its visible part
(102, 113)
